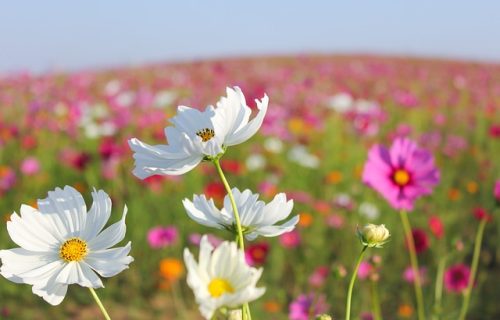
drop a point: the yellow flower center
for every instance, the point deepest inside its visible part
(401, 177)
(205, 134)
(218, 287)
(74, 249)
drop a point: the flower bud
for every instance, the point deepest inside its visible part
(323, 317)
(373, 236)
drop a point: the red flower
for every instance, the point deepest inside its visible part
(481, 214)
(436, 226)
(421, 240)
(215, 190)
(256, 254)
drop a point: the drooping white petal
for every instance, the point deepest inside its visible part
(276, 210)
(111, 261)
(97, 216)
(274, 230)
(51, 291)
(232, 114)
(109, 236)
(247, 131)
(151, 160)
(202, 211)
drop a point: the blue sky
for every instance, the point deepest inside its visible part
(64, 35)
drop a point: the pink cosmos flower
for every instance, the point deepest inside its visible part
(290, 239)
(161, 237)
(365, 269)
(319, 276)
(306, 305)
(30, 166)
(409, 275)
(456, 278)
(401, 174)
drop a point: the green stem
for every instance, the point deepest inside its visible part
(475, 262)
(245, 310)
(414, 264)
(377, 315)
(438, 292)
(233, 204)
(99, 303)
(351, 284)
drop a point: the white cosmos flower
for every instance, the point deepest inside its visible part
(256, 217)
(198, 134)
(221, 278)
(61, 244)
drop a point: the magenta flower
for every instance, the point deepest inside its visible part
(456, 278)
(409, 275)
(306, 306)
(256, 253)
(402, 174)
(496, 190)
(160, 237)
(290, 239)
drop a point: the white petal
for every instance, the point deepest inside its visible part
(110, 236)
(190, 120)
(16, 262)
(276, 210)
(51, 291)
(251, 128)
(68, 204)
(97, 216)
(151, 160)
(272, 231)
(232, 113)
(24, 233)
(110, 262)
(203, 211)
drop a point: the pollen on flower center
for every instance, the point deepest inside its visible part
(205, 134)
(401, 177)
(74, 249)
(218, 287)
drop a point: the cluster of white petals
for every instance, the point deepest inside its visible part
(257, 218)
(221, 277)
(61, 244)
(196, 135)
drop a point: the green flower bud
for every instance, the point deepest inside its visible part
(373, 236)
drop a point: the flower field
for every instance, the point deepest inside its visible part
(330, 122)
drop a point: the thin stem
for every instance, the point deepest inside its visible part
(233, 204)
(351, 284)
(377, 315)
(414, 264)
(475, 262)
(99, 303)
(438, 292)
(245, 310)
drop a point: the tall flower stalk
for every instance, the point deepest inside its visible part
(475, 262)
(371, 236)
(351, 284)
(99, 303)
(414, 264)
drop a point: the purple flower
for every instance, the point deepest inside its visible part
(307, 306)
(401, 174)
(160, 237)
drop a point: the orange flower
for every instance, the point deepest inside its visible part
(272, 306)
(305, 219)
(171, 270)
(454, 194)
(296, 126)
(472, 187)
(405, 310)
(80, 187)
(334, 177)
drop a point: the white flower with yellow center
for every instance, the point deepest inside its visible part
(61, 244)
(221, 277)
(197, 135)
(257, 218)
